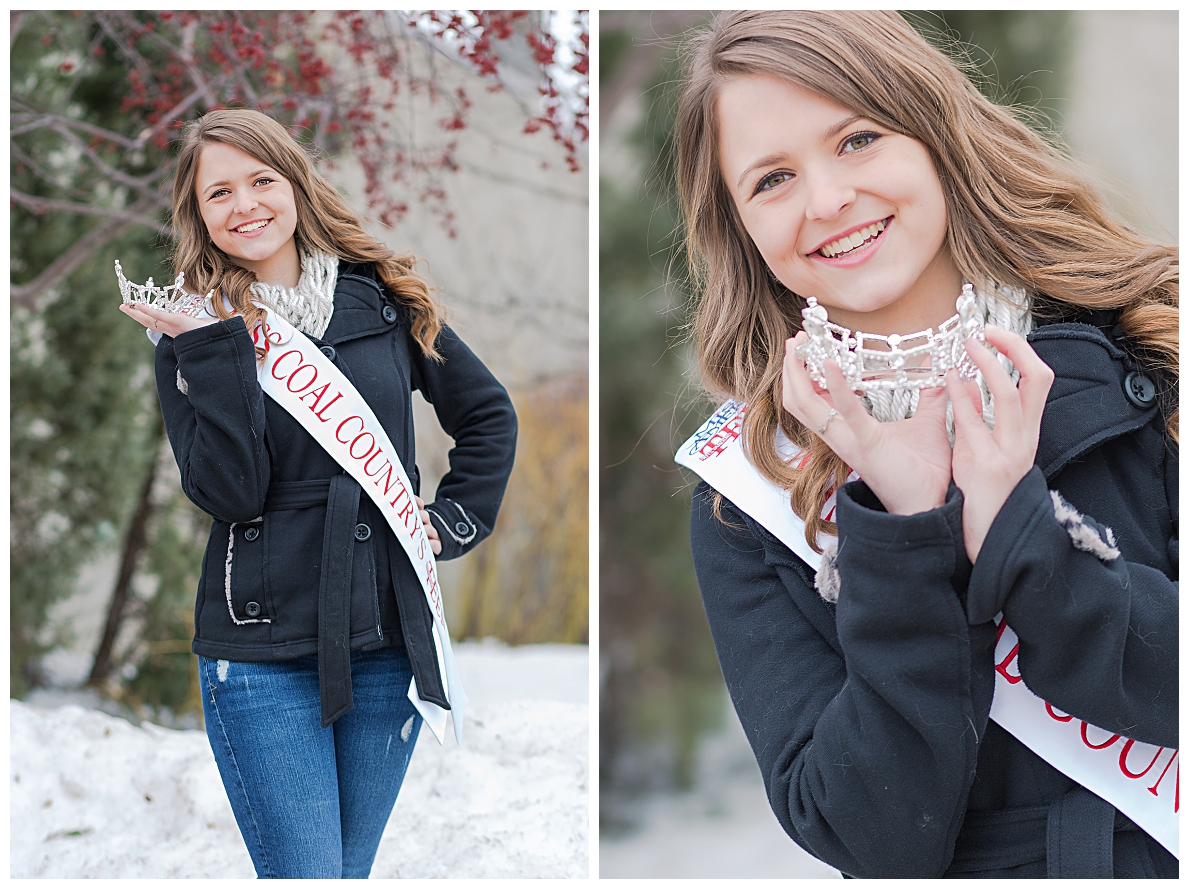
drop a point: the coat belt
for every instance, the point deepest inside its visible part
(340, 495)
(1074, 836)
(334, 598)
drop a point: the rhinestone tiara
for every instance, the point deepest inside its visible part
(873, 362)
(174, 298)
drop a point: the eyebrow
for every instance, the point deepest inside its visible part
(762, 162)
(250, 176)
(774, 158)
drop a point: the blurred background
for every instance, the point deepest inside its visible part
(459, 136)
(681, 795)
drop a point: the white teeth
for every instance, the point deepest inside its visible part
(251, 227)
(855, 239)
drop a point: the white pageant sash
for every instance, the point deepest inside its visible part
(1128, 774)
(298, 377)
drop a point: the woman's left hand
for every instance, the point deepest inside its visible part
(171, 324)
(905, 463)
(435, 539)
(989, 464)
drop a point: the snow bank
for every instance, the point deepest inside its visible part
(94, 796)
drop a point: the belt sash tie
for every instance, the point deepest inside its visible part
(334, 598)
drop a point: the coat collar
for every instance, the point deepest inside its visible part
(1086, 405)
(359, 302)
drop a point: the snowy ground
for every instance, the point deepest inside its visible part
(93, 796)
(722, 828)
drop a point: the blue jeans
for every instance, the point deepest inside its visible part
(310, 801)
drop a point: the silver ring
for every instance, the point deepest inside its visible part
(821, 430)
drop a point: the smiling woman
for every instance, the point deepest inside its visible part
(839, 207)
(863, 556)
(318, 623)
(250, 213)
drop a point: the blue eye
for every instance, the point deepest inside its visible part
(772, 180)
(858, 142)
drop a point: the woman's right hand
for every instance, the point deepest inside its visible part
(907, 464)
(171, 324)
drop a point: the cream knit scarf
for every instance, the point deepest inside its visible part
(309, 305)
(1005, 307)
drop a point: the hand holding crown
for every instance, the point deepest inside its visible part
(168, 310)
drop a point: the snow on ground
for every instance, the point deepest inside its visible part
(92, 795)
(722, 828)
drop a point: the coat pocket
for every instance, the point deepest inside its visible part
(294, 535)
(233, 606)
(244, 577)
(293, 570)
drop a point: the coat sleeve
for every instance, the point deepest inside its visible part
(216, 426)
(474, 410)
(1098, 634)
(867, 742)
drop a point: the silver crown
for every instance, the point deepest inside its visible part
(174, 298)
(870, 361)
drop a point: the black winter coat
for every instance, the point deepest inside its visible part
(869, 719)
(299, 559)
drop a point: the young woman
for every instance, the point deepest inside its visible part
(310, 621)
(836, 155)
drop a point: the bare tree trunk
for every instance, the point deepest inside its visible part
(134, 545)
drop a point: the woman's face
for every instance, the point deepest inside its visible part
(839, 207)
(249, 212)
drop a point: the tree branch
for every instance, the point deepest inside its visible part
(15, 21)
(33, 121)
(139, 184)
(96, 239)
(42, 205)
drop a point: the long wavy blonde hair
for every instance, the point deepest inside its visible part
(1018, 213)
(324, 223)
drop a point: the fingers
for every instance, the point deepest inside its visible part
(1009, 416)
(137, 315)
(430, 531)
(844, 399)
(931, 403)
(435, 539)
(967, 401)
(797, 387)
(157, 320)
(1036, 377)
(800, 396)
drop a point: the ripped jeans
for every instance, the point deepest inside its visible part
(310, 801)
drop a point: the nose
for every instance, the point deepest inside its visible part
(828, 194)
(245, 201)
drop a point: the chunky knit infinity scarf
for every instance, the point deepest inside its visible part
(309, 305)
(1005, 307)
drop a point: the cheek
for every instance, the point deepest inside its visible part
(937, 216)
(773, 232)
(209, 221)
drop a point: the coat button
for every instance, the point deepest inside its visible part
(252, 608)
(462, 528)
(389, 314)
(362, 532)
(1139, 390)
(328, 351)
(251, 533)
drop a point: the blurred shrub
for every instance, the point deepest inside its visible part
(528, 583)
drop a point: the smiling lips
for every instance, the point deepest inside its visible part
(249, 227)
(854, 241)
